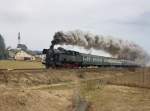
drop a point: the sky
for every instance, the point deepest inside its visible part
(38, 20)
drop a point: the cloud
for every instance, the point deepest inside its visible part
(143, 20)
(38, 20)
(12, 18)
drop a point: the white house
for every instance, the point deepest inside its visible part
(22, 55)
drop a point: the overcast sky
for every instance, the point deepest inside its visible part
(38, 20)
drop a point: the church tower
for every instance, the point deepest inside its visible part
(19, 45)
(19, 38)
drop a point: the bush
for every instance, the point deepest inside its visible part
(3, 51)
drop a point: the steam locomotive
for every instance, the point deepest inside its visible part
(67, 58)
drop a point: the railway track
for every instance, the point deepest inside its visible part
(23, 70)
(80, 69)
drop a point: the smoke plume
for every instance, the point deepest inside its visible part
(116, 47)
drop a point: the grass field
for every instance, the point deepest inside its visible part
(11, 64)
(103, 89)
(118, 98)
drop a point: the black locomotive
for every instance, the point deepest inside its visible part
(67, 58)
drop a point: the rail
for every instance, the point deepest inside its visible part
(23, 70)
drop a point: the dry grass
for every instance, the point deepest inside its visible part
(35, 90)
(11, 64)
(34, 100)
(115, 98)
(51, 76)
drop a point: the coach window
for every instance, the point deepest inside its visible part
(97, 59)
(84, 58)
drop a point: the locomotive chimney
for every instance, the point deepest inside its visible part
(52, 45)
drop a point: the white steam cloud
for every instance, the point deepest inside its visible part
(116, 47)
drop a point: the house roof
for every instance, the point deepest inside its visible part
(15, 51)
